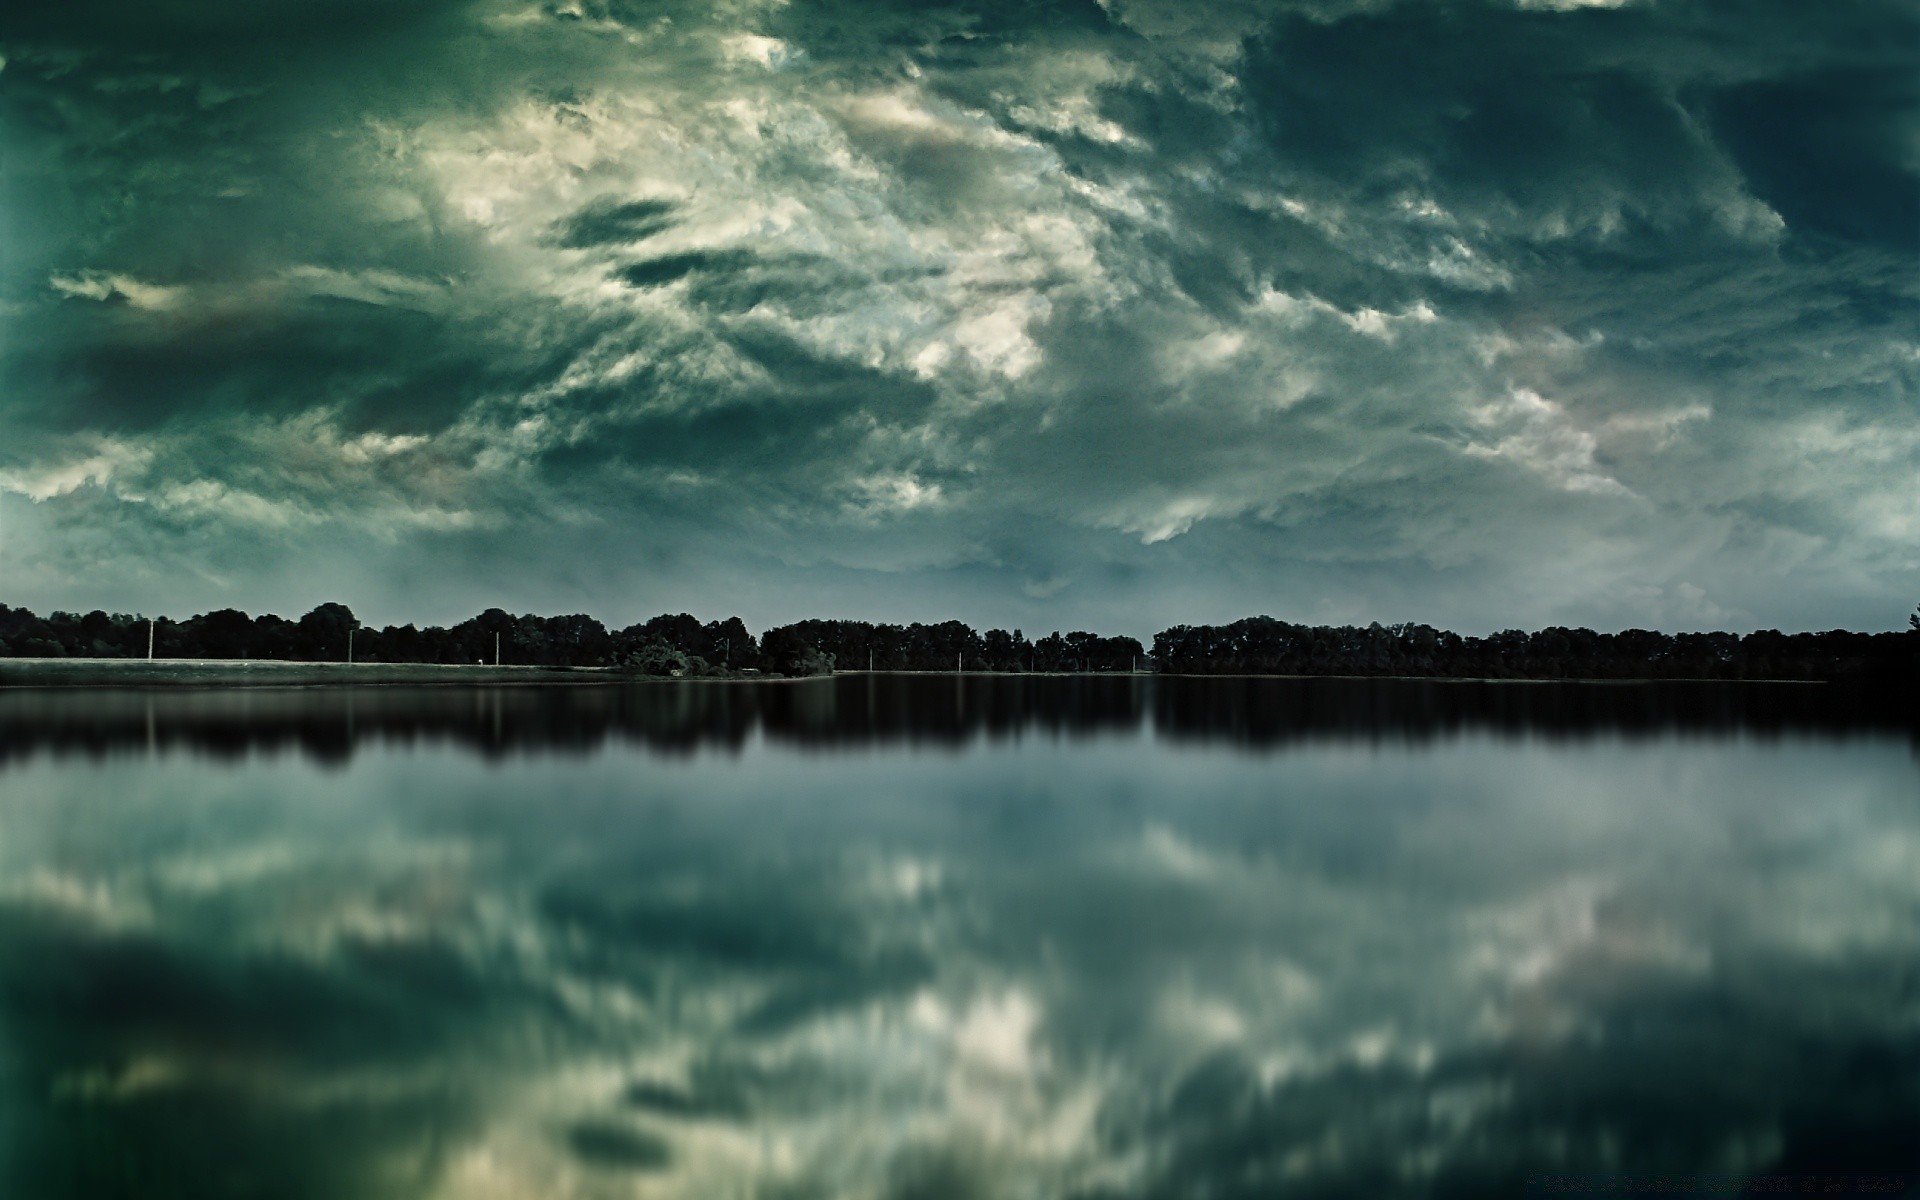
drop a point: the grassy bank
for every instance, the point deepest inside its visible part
(216, 672)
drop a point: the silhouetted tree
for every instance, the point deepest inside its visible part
(784, 651)
(322, 633)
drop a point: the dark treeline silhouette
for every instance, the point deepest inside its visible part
(671, 644)
(952, 645)
(852, 711)
(1265, 646)
(679, 644)
(668, 644)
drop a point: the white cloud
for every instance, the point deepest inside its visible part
(768, 52)
(895, 493)
(1575, 5)
(209, 498)
(1543, 440)
(109, 460)
(101, 285)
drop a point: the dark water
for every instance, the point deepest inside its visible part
(925, 938)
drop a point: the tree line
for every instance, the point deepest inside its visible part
(1265, 646)
(669, 644)
(680, 644)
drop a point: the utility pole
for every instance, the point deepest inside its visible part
(350, 633)
(496, 647)
(957, 659)
(869, 660)
(149, 639)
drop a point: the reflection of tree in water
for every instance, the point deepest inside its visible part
(681, 717)
(1265, 712)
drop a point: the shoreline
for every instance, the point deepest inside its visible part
(1272, 675)
(236, 672)
(245, 673)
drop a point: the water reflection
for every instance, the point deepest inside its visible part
(1400, 952)
(853, 711)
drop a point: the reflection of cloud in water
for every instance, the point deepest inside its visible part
(1094, 969)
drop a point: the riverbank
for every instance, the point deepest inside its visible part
(227, 672)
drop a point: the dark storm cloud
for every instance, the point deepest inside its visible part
(1501, 312)
(1826, 152)
(615, 223)
(655, 272)
(619, 1148)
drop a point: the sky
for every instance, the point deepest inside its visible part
(1482, 313)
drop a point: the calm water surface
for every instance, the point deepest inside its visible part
(947, 939)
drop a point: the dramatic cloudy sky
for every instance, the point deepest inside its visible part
(1479, 312)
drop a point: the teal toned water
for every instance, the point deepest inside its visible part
(911, 938)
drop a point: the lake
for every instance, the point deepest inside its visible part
(908, 937)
